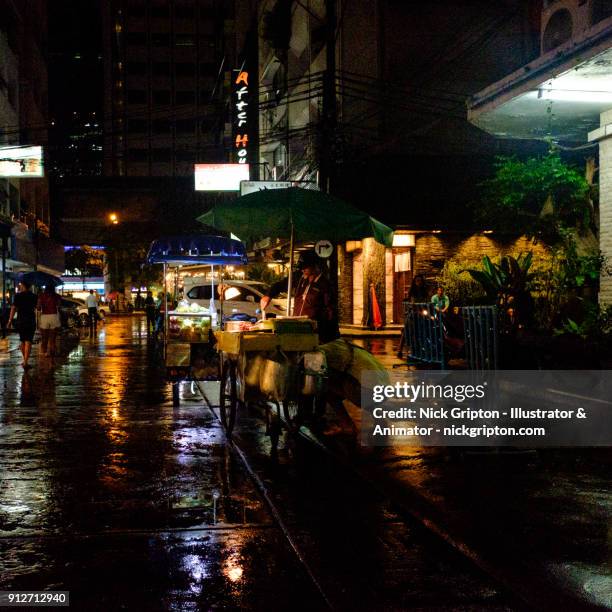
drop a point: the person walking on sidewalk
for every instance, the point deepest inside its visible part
(92, 309)
(24, 305)
(49, 305)
(150, 310)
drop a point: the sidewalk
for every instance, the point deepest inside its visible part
(9, 344)
(359, 331)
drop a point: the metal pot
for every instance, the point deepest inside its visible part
(253, 371)
(278, 376)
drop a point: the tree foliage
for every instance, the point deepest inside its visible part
(84, 261)
(538, 197)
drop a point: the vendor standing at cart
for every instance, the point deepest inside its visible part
(313, 296)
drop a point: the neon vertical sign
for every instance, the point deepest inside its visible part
(240, 101)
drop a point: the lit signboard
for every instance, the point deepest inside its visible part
(240, 101)
(220, 177)
(251, 186)
(247, 187)
(21, 162)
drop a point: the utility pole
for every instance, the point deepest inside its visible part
(327, 160)
(327, 163)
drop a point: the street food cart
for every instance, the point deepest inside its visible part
(187, 341)
(275, 364)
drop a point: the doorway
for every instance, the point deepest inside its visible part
(402, 279)
(357, 288)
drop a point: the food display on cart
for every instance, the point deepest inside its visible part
(187, 341)
(189, 323)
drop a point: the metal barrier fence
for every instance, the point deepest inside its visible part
(480, 332)
(426, 334)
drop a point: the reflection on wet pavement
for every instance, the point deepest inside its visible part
(108, 491)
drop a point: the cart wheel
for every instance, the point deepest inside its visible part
(176, 395)
(228, 400)
(293, 413)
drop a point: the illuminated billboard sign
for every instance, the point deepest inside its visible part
(240, 102)
(21, 162)
(220, 177)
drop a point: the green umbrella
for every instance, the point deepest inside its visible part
(297, 214)
(311, 215)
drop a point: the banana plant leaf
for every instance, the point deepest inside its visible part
(312, 215)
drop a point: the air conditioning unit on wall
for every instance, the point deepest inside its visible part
(565, 20)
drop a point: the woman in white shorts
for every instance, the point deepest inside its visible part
(49, 304)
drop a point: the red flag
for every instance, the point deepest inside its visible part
(376, 316)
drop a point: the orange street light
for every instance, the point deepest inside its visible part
(114, 219)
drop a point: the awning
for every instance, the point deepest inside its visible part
(560, 95)
(197, 249)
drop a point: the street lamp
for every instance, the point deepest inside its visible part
(114, 219)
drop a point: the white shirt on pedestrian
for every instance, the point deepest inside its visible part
(91, 301)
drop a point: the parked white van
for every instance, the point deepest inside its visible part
(240, 297)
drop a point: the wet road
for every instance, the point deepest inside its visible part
(109, 492)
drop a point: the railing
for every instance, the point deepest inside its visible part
(427, 335)
(424, 333)
(480, 331)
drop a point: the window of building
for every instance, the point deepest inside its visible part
(206, 93)
(185, 157)
(136, 39)
(162, 126)
(136, 96)
(137, 68)
(186, 69)
(207, 39)
(185, 40)
(208, 69)
(136, 10)
(185, 126)
(207, 125)
(160, 10)
(137, 126)
(185, 97)
(160, 39)
(184, 11)
(207, 11)
(161, 96)
(161, 68)
(161, 155)
(138, 155)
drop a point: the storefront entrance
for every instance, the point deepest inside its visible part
(402, 279)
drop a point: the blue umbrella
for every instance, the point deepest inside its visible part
(40, 279)
(197, 249)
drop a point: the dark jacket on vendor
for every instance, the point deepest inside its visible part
(313, 298)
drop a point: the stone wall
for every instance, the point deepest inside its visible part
(345, 286)
(605, 210)
(433, 250)
(373, 273)
(373, 255)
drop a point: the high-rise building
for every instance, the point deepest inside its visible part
(76, 90)
(24, 119)
(164, 77)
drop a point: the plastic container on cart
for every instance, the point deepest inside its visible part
(236, 343)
